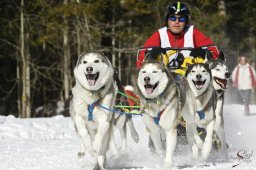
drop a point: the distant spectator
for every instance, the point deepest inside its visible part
(244, 79)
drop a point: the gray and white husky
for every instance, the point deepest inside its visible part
(160, 99)
(93, 96)
(199, 108)
(94, 86)
(220, 75)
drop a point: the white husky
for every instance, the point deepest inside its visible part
(220, 75)
(199, 108)
(94, 87)
(159, 96)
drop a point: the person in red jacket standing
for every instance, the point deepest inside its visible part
(178, 33)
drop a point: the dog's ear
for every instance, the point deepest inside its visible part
(221, 56)
(189, 68)
(105, 59)
(210, 63)
(80, 58)
(207, 67)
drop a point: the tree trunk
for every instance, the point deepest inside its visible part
(113, 41)
(78, 32)
(66, 55)
(25, 69)
(22, 54)
(27, 77)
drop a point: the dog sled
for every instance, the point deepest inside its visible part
(178, 65)
(176, 59)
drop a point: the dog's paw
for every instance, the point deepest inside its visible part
(160, 151)
(97, 145)
(206, 151)
(80, 154)
(167, 164)
(194, 151)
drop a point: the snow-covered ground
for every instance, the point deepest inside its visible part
(51, 144)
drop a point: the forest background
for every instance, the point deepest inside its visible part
(40, 41)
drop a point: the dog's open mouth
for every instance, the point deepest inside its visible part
(149, 88)
(221, 82)
(199, 84)
(92, 78)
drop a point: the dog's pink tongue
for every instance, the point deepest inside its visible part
(91, 82)
(199, 86)
(149, 90)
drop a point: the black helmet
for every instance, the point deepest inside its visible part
(176, 8)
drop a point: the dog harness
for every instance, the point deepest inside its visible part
(157, 118)
(201, 113)
(90, 108)
(162, 109)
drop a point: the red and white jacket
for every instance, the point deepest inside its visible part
(244, 77)
(190, 37)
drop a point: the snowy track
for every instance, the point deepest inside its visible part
(51, 144)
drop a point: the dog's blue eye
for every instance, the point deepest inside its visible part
(84, 62)
(96, 61)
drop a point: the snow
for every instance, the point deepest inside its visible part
(52, 144)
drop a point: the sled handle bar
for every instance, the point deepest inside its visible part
(177, 48)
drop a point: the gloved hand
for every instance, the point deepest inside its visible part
(198, 52)
(154, 53)
(202, 53)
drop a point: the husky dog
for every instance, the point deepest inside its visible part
(220, 75)
(199, 108)
(160, 99)
(94, 88)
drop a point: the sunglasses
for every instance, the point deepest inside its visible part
(180, 19)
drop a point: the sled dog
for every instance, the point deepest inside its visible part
(160, 100)
(199, 108)
(94, 87)
(93, 95)
(220, 75)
